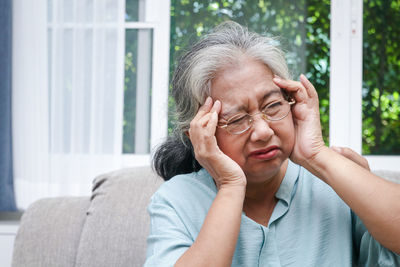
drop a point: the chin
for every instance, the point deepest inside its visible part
(263, 171)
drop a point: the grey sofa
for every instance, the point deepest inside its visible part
(107, 229)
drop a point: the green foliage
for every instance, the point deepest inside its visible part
(381, 69)
(302, 27)
(303, 30)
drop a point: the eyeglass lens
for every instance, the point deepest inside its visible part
(274, 112)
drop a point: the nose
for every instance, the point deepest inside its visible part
(260, 130)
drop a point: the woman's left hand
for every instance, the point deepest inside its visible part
(352, 155)
(308, 135)
(355, 185)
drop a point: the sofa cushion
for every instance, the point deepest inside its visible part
(117, 222)
(50, 232)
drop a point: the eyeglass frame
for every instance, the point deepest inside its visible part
(290, 101)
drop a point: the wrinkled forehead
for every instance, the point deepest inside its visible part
(243, 90)
(231, 107)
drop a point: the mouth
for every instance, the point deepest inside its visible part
(265, 154)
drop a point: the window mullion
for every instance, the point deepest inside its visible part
(94, 58)
(346, 74)
(356, 61)
(120, 74)
(159, 97)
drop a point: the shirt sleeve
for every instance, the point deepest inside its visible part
(368, 251)
(168, 238)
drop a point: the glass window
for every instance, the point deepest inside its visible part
(91, 111)
(381, 79)
(134, 10)
(302, 27)
(137, 91)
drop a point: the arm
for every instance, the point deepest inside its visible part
(216, 242)
(374, 200)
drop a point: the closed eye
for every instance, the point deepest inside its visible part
(274, 105)
(238, 119)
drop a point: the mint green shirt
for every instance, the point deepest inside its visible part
(310, 225)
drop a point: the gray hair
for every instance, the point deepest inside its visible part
(225, 46)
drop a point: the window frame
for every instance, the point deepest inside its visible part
(346, 63)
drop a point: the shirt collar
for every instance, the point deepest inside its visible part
(286, 190)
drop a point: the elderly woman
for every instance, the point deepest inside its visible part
(250, 181)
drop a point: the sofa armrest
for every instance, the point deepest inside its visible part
(393, 176)
(50, 231)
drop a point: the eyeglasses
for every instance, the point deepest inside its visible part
(275, 111)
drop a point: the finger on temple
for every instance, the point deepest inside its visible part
(308, 86)
(212, 123)
(290, 86)
(205, 108)
(203, 121)
(216, 107)
(293, 88)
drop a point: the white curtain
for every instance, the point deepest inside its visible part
(68, 123)
(68, 92)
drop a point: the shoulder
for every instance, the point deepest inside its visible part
(184, 187)
(314, 184)
(320, 195)
(183, 200)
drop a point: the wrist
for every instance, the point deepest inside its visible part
(231, 182)
(320, 156)
(238, 189)
(318, 162)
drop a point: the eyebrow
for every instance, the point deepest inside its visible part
(227, 114)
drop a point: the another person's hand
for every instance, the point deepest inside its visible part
(352, 155)
(222, 168)
(305, 112)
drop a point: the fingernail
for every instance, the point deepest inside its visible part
(277, 79)
(215, 105)
(208, 101)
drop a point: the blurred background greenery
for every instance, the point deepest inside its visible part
(381, 77)
(303, 28)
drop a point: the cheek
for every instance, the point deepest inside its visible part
(287, 135)
(230, 145)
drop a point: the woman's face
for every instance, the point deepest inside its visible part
(260, 151)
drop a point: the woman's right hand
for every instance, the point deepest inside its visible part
(216, 241)
(222, 168)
